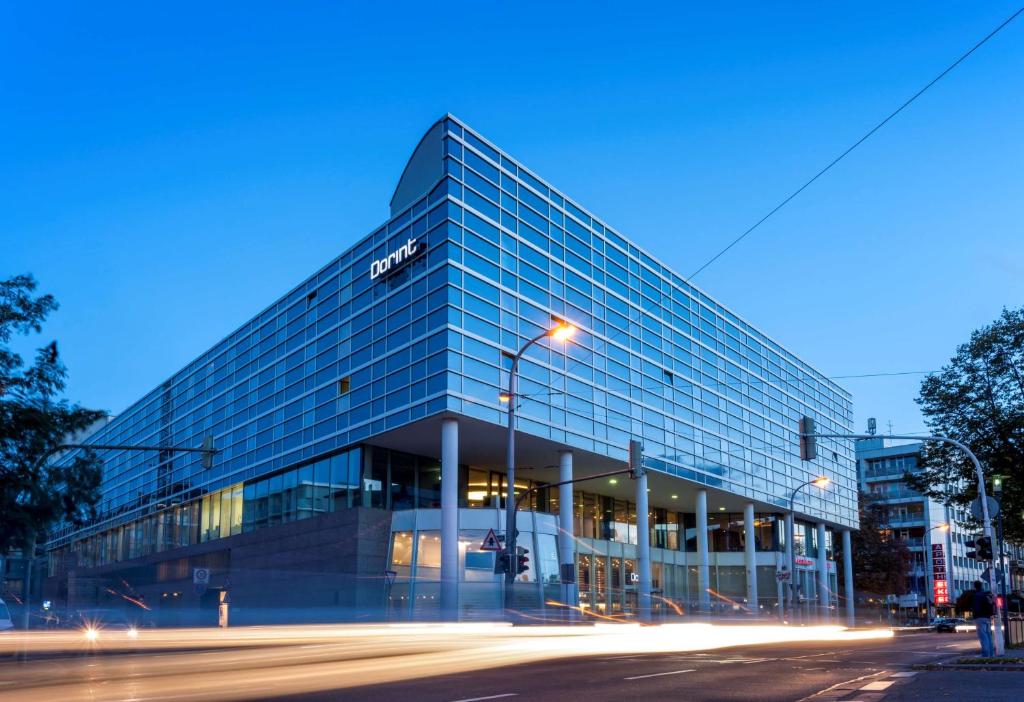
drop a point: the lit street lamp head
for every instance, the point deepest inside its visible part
(821, 482)
(562, 332)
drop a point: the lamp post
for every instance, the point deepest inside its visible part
(560, 332)
(819, 482)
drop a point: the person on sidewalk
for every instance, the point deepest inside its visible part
(982, 610)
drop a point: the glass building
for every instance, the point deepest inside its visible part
(361, 415)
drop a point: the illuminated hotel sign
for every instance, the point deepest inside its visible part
(940, 587)
(396, 259)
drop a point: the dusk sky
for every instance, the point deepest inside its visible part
(167, 171)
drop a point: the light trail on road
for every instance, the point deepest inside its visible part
(258, 662)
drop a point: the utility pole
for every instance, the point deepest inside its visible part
(997, 492)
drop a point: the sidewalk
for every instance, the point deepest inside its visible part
(1011, 660)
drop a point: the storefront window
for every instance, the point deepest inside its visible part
(547, 559)
(401, 552)
(428, 555)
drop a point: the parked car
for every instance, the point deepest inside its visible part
(6, 623)
(950, 624)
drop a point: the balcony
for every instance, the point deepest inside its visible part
(906, 519)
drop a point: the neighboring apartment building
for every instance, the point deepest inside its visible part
(935, 534)
(362, 435)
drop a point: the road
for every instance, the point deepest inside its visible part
(445, 663)
(868, 671)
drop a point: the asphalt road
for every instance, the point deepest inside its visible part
(869, 671)
(449, 663)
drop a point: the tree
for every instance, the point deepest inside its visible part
(36, 492)
(978, 399)
(880, 562)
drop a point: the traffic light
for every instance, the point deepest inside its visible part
(636, 459)
(501, 563)
(982, 549)
(522, 560)
(808, 442)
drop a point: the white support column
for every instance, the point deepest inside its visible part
(643, 549)
(703, 568)
(750, 558)
(790, 586)
(566, 537)
(824, 595)
(848, 579)
(450, 519)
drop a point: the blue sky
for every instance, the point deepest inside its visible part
(167, 171)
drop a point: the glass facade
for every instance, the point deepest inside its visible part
(714, 400)
(491, 255)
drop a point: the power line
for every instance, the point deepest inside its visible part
(879, 375)
(860, 141)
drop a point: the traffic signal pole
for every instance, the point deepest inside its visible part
(986, 517)
(511, 559)
(207, 450)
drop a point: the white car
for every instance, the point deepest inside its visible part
(969, 628)
(6, 624)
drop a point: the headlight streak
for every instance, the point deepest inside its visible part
(235, 664)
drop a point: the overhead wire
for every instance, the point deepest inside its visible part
(860, 141)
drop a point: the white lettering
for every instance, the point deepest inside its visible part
(394, 259)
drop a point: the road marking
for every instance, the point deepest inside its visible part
(838, 685)
(879, 685)
(903, 675)
(489, 697)
(658, 675)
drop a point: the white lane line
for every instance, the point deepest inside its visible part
(902, 675)
(489, 697)
(658, 675)
(845, 683)
(879, 685)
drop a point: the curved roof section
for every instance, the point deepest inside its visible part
(424, 169)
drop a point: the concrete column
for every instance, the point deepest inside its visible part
(566, 537)
(750, 558)
(703, 568)
(824, 596)
(450, 519)
(848, 578)
(790, 588)
(643, 549)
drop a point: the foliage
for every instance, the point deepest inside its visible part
(978, 399)
(34, 419)
(880, 563)
(964, 602)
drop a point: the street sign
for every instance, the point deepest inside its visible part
(782, 575)
(908, 600)
(491, 542)
(390, 575)
(200, 576)
(993, 507)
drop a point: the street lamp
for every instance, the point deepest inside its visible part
(820, 482)
(562, 331)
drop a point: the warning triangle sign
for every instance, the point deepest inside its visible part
(491, 542)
